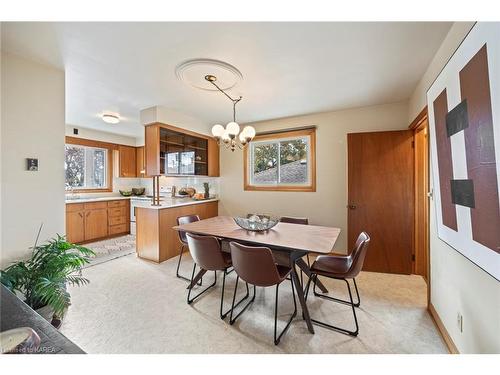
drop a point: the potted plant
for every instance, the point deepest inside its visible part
(42, 279)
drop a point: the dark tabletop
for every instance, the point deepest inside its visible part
(14, 313)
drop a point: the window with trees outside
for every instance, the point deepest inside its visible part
(86, 168)
(283, 161)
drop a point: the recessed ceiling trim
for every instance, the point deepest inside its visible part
(193, 72)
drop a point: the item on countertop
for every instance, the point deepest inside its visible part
(138, 191)
(206, 186)
(199, 196)
(125, 193)
(257, 222)
(189, 191)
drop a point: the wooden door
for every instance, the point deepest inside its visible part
(75, 226)
(421, 200)
(96, 223)
(127, 161)
(380, 198)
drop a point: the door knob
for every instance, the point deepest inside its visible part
(351, 206)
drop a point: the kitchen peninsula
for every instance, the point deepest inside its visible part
(156, 240)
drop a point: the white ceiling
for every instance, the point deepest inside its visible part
(288, 68)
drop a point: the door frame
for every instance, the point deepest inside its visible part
(418, 124)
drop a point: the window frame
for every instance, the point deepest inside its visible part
(96, 144)
(287, 134)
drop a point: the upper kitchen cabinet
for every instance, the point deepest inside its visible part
(172, 151)
(140, 159)
(127, 161)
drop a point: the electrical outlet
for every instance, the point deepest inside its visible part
(460, 322)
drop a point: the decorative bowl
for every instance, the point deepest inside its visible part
(125, 193)
(138, 191)
(257, 222)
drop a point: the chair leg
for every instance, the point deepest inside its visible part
(231, 319)
(179, 265)
(223, 315)
(337, 299)
(351, 303)
(277, 339)
(189, 299)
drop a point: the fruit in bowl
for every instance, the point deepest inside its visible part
(138, 191)
(126, 193)
(199, 196)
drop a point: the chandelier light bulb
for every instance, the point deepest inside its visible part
(233, 129)
(225, 137)
(218, 131)
(249, 131)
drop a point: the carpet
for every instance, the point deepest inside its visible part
(110, 249)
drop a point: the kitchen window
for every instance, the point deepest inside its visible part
(87, 168)
(283, 161)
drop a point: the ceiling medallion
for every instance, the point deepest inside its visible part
(193, 72)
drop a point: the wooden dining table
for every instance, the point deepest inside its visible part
(292, 241)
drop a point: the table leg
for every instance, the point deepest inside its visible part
(303, 266)
(300, 292)
(198, 276)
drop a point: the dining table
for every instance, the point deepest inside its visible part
(290, 241)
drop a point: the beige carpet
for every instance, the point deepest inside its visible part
(133, 306)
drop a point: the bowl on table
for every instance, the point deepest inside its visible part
(257, 222)
(138, 191)
(125, 193)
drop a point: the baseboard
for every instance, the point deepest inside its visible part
(442, 330)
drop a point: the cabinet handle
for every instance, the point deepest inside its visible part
(81, 215)
(88, 213)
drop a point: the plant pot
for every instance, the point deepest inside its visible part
(47, 313)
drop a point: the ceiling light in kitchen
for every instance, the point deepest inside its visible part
(110, 118)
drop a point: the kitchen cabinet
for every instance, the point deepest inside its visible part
(156, 240)
(75, 226)
(173, 151)
(140, 162)
(127, 161)
(87, 222)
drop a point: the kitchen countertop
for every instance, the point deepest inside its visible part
(96, 199)
(173, 202)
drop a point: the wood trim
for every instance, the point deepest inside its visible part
(442, 330)
(418, 120)
(311, 132)
(91, 143)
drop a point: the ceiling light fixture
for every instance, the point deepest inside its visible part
(110, 119)
(227, 136)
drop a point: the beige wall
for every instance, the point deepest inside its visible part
(32, 102)
(87, 133)
(458, 285)
(326, 206)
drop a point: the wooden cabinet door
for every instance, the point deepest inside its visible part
(96, 224)
(140, 162)
(127, 161)
(213, 158)
(75, 226)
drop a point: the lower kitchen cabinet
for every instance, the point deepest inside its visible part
(86, 222)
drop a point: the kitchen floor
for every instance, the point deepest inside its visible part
(134, 306)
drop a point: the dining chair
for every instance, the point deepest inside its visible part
(207, 254)
(183, 239)
(256, 266)
(298, 220)
(342, 268)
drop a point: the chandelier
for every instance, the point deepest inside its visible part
(230, 136)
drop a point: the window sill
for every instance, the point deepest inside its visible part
(310, 189)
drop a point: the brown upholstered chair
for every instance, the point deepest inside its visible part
(256, 266)
(206, 253)
(183, 239)
(341, 268)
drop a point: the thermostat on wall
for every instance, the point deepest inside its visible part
(32, 165)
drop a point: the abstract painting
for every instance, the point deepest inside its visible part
(464, 122)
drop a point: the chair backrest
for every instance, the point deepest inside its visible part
(357, 256)
(255, 265)
(294, 220)
(186, 220)
(206, 252)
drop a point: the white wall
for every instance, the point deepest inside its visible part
(326, 206)
(32, 102)
(103, 136)
(458, 285)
